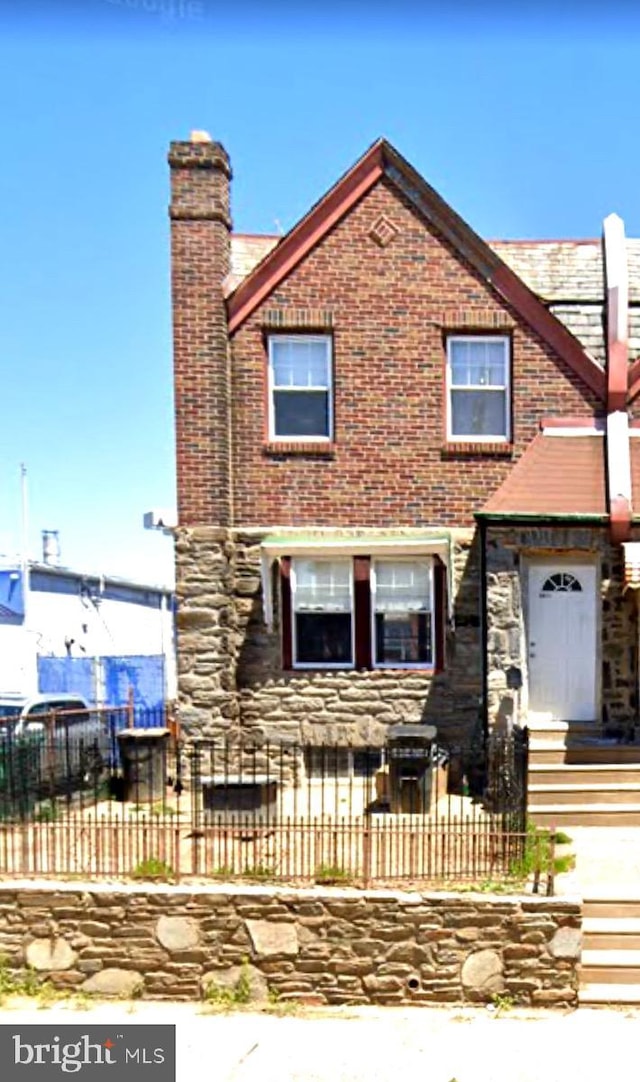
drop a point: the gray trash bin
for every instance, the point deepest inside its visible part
(410, 755)
(143, 753)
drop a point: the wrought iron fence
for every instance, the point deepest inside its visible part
(90, 795)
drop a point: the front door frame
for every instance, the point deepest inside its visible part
(561, 560)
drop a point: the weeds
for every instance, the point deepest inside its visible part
(327, 874)
(502, 1001)
(47, 812)
(152, 868)
(259, 872)
(158, 809)
(23, 981)
(238, 995)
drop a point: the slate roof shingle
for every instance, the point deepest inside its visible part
(567, 275)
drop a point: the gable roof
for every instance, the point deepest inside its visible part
(383, 160)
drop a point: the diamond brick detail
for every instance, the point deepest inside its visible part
(383, 231)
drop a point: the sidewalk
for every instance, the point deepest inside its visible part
(607, 862)
(380, 1044)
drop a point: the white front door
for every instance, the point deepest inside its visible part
(562, 640)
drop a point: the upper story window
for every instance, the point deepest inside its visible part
(300, 405)
(478, 394)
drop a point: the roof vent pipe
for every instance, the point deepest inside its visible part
(51, 547)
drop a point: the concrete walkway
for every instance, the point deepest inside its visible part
(607, 862)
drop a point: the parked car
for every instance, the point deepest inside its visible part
(62, 739)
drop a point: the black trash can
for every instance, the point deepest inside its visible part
(143, 753)
(410, 754)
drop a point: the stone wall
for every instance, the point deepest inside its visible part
(507, 551)
(230, 663)
(316, 945)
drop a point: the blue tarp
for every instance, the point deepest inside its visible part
(67, 674)
(116, 675)
(143, 675)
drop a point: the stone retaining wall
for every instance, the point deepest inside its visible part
(315, 945)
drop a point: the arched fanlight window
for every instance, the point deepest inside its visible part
(562, 582)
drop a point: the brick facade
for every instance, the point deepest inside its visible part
(388, 284)
(390, 463)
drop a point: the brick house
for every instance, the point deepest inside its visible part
(406, 464)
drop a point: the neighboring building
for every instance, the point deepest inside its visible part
(95, 635)
(406, 468)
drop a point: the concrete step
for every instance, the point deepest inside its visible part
(609, 993)
(585, 815)
(575, 753)
(612, 774)
(560, 731)
(624, 905)
(584, 793)
(610, 967)
(611, 933)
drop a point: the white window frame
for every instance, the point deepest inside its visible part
(505, 341)
(423, 665)
(294, 624)
(327, 341)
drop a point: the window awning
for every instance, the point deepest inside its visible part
(631, 565)
(428, 544)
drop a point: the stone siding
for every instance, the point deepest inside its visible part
(230, 663)
(314, 945)
(617, 621)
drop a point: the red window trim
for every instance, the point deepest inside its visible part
(363, 653)
(362, 611)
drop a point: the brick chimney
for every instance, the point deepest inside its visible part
(200, 261)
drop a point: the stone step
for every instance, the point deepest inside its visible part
(613, 774)
(611, 933)
(608, 794)
(585, 815)
(621, 906)
(609, 993)
(610, 967)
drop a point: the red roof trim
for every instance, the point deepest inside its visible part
(304, 236)
(634, 381)
(380, 158)
(617, 376)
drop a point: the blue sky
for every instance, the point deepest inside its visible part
(526, 124)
